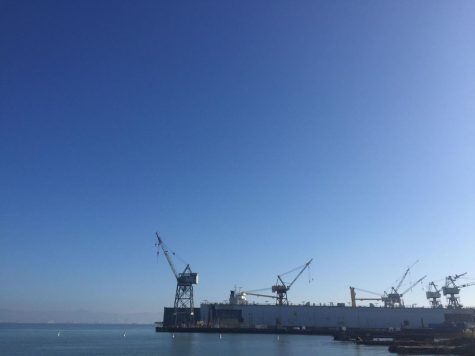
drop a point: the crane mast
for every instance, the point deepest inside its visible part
(184, 303)
(403, 277)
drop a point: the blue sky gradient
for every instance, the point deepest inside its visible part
(253, 135)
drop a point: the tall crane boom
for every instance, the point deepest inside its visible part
(413, 285)
(404, 277)
(301, 271)
(160, 244)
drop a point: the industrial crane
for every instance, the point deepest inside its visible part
(394, 299)
(433, 295)
(452, 290)
(354, 299)
(184, 287)
(391, 299)
(281, 288)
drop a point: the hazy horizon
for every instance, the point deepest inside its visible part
(77, 317)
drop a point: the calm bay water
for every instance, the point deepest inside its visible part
(142, 340)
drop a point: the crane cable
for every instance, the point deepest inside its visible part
(173, 253)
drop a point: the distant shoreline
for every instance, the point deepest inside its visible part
(72, 323)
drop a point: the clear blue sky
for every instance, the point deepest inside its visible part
(252, 135)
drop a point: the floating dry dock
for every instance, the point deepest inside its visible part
(310, 316)
(309, 319)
